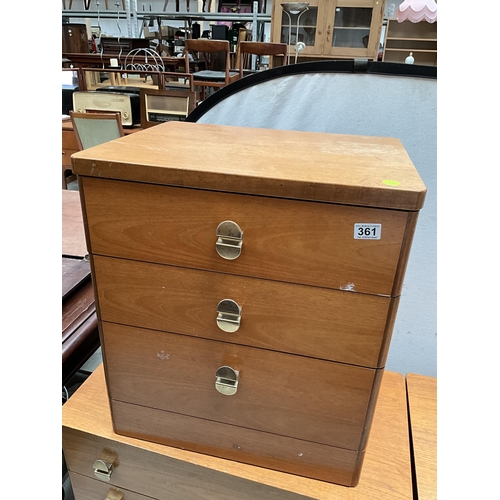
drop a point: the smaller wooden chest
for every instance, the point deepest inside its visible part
(247, 283)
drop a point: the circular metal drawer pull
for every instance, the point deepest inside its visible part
(103, 470)
(228, 315)
(229, 240)
(226, 380)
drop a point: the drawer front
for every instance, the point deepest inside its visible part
(295, 396)
(157, 474)
(85, 488)
(317, 322)
(69, 140)
(66, 156)
(69, 146)
(270, 451)
(284, 240)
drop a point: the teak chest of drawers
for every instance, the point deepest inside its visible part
(247, 283)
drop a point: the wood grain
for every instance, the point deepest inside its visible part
(284, 240)
(165, 472)
(316, 322)
(77, 308)
(281, 453)
(74, 272)
(289, 164)
(73, 234)
(422, 403)
(69, 146)
(85, 488)
(278, 393)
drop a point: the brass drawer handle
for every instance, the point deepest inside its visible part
(114, 495)
(228, 315)
(226, 380)
(229, 240)
(103, 470)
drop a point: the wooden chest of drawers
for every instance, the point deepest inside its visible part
(247, 283)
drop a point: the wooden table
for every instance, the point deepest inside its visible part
(80, 336)
(422, 404)
(87, 430)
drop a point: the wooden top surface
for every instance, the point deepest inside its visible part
(73, 233)
(335, 168)
(422, 401)
(386, 472)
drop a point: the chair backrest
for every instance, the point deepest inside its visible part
(274, 50)
(208, 51)
(92, 129)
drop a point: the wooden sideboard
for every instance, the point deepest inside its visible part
(422, 406)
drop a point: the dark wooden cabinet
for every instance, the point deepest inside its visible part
(124, 45)
(74, 38)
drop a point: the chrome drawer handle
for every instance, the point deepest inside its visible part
(103, 470)
(228, 315)
(226, 380)
(229, 240)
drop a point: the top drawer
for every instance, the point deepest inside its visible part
(285, 240)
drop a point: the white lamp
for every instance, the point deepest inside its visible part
(294, 8)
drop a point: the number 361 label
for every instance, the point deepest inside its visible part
(367, 231)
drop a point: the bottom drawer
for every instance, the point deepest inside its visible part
(159, 472)
(85, 488)
(281, 453)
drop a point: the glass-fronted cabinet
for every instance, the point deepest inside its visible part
(300, 26)
(329, 28)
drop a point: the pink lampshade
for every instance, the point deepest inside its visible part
(417, 10)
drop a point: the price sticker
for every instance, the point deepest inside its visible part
(367, 231)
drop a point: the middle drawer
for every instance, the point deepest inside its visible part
(317, 322)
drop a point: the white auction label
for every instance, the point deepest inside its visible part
(367, 231)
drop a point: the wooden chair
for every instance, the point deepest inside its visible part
(92, 129)
(210, 52)
(271, 49)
